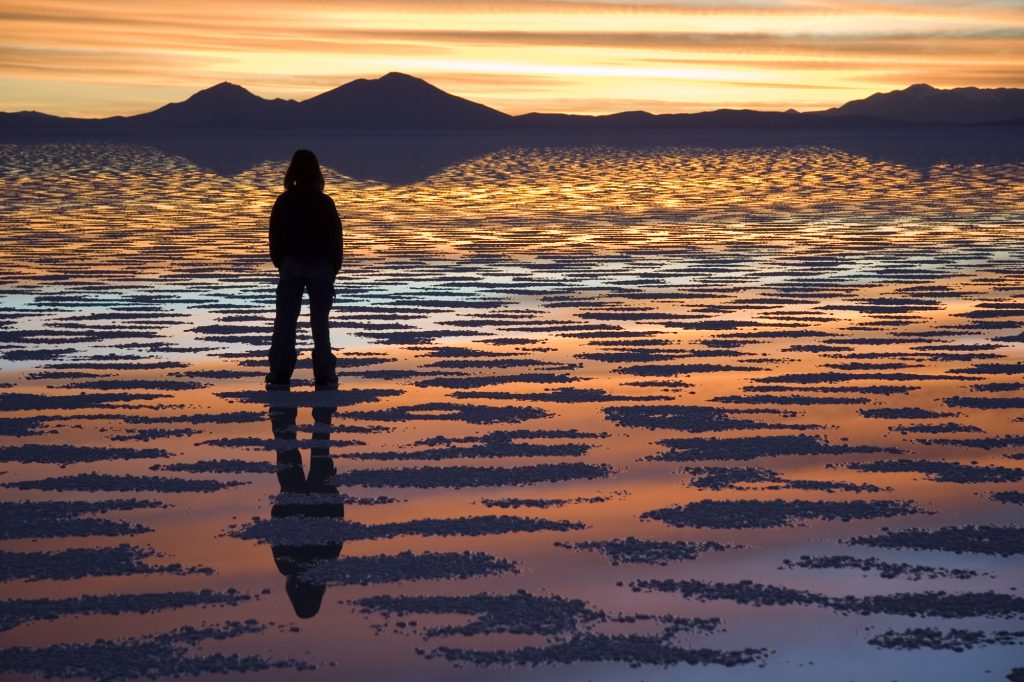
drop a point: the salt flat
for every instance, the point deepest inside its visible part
(615, 410)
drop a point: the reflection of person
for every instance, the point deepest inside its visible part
(306, 248)
(304, 496)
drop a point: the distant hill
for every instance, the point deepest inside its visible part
(735, 120)
(922, 103)
(225, 105)
(400, 102)
(395, 101)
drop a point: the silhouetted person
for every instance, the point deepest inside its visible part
(304, 496)
(306, 248)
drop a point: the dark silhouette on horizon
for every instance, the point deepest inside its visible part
(401, 102)
(306, 246)
(304, 496)
(924, 104)
(382, 158)
(405, 159)
(396, 100)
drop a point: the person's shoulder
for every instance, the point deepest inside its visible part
(327, 203)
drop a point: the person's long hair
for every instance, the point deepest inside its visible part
(304, 171)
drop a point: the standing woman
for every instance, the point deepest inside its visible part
(306, 248)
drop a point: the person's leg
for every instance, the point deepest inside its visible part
(282, 347)
(321, 298)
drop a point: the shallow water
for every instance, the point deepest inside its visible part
(600, 326)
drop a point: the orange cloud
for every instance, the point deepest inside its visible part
(96, 57)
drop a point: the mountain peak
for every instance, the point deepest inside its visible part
(223, 91)
(923, 103)
(225, 86)
(396, 100)
(399, 76)
(395, 80)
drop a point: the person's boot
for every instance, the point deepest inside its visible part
(324, 369)
(275, 383)
(281, 379)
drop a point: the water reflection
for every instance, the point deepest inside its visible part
(302, 495)
(401, 159)
(392, 160)
(697, 301)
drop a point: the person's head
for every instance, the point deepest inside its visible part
(304, 171)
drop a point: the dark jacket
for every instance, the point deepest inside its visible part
(305, 223)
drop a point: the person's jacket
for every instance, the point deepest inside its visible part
(304, 223)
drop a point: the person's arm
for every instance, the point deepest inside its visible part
(275, 233)
(337, 239)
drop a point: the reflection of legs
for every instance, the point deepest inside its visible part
(289, 459)
(322, 416)
(282, 421)
(321, 466)
(321, 298)
(282, 347)
(312, 498)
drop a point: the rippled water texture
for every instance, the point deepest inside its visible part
(620, 411)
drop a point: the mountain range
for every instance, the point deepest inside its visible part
(400, 102)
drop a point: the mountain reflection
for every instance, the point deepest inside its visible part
(304, 496)
(392, 160)
(400, 159)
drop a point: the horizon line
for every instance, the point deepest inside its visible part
(553, 113)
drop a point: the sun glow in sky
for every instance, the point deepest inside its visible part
(103, 57)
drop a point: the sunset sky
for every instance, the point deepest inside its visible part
(103, 57)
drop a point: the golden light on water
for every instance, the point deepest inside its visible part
(108, 57)
(540, 345)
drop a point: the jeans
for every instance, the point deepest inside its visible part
(317, 278)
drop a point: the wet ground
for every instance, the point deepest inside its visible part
(607, 412)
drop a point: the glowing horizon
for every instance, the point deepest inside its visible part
(105, 57)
